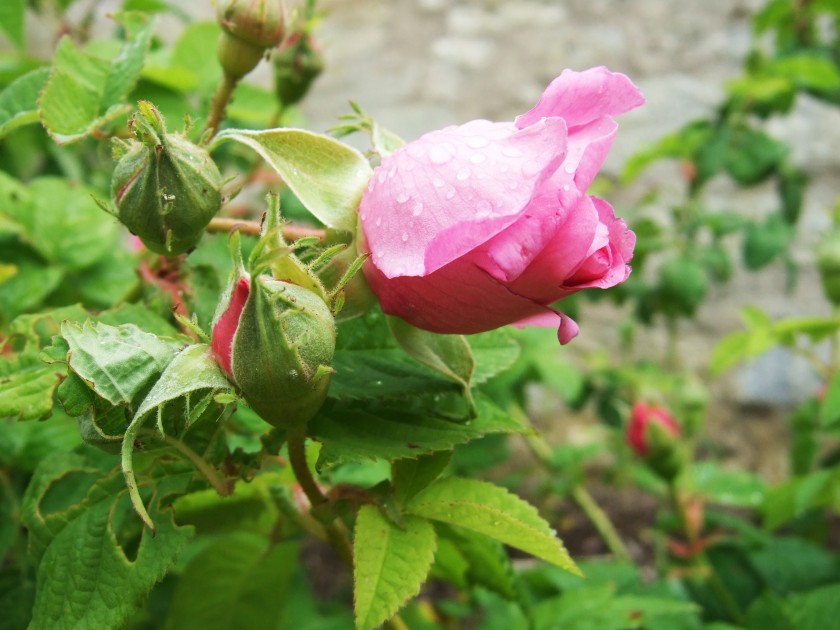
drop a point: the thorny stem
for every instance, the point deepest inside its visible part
(291, 233)
(596, 515)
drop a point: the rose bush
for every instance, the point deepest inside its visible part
(485, 224)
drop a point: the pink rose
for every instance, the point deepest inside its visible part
(485, 224)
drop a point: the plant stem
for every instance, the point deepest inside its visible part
(596, 515)
(220, 485)
(291, 232)
(601, 521)
(219, 104)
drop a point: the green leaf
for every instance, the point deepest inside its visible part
(19, 101)
(410, 476)
(192, 371)
(450, 355)
(390, 564)
(488, 564)
(752, 155)
(187, 67)
(239, 580)
(490, 510)
(728, 487)
(27, 385)
(598, 606)
(393, 432)
(829, 413)
(12, 17)
(327, 176)
(817, 609)
(84, 92)
(97, 567)
(64, 224)
(118, 362)
(30, 286)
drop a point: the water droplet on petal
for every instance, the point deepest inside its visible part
(440, 154)
(437, 182)
(463, 174)
(417, 209)
(529, 169)
(404, 237)
(477, 158)
(378, 221)
(570, 168)
(513, 185)
(477, 142)
(504, 168)
(511, 152)
(402, 197)
(566, 187)
(482, 208)
(450, 193)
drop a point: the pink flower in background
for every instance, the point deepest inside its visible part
(641, 420)
(485, 224)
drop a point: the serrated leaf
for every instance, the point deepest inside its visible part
(27, 385)
(64, 224)
(327, 176)
(19, 101)
(84, 92)
(118, 362)
(490, 510)
(239, 580)
(85, 578)
(815, 610)
(487, 561)
(410, 476)
(389, 564)
(395, 432)
(494, 352)
(192, 370)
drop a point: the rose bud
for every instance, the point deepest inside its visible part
(296, 66)
(828, 263)
(249, 28)
(655, 436)
(165, 188)
(276, 342)
(486, 224)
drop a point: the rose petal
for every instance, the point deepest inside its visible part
(460, 299)
(450, 191)
(567, 328)
(581, 97)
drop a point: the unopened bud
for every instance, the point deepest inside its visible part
(296, 66)
(165, 188)
(249, 28)
(655, 436)
(276, 341)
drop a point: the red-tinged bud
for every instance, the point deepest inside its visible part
(225, 327)
(656, 437)
(276, 341)
(165, 188)
(249, 28)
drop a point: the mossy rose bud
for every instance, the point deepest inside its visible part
(276, 341)
(249, 28)
(165, 188)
